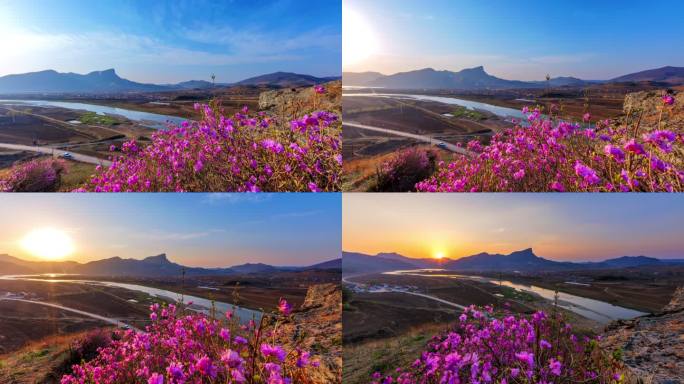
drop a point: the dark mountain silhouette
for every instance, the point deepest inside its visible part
(419, 263)
(360, 263)
(631, 261)
(524, 261)
(152, 266)
(286, 80)
(330, 264)
(108, 81)
(669, 75)
(253, 268)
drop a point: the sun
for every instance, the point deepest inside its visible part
(358, 38)
(48, 243)
(439, 255)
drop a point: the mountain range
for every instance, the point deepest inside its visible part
(152, 266)
(108, 81)
(477, 78)
(523, 261)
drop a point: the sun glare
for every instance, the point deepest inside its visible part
(439, 255)
(358, 38)
(48, 243)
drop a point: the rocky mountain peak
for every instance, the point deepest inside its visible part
(527, 253)
(161, 258)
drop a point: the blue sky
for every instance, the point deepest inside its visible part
(174, 40)
(211, 230)
(579, 227)
(522, 39)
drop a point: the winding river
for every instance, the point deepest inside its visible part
(198, 304)
(504, 112)
(596, 310)
(147, 119)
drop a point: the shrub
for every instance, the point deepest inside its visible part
(241, 153)
(483, 349)
(39, 175)
(404, 170)
(181, 347)
(554, 155)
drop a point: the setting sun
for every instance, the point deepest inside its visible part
(439, 255)
(48, 243)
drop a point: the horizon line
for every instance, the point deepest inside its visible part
(191, 79)
(524, 249)
(37, 260)
(483, 68)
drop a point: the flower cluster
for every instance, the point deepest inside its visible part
(484, 349)
(241, 153)
(40, 175)
(404, 170)
(194, 348)
(555, 155)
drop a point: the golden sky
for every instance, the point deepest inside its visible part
(560, 227)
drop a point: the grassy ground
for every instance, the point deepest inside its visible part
(77, 174)
(465, 113)
(362, 360)
(93, 118)
(41, 362)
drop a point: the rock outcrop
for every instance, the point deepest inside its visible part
(652, 346)
(294, 102)
(317, 327)
(651, 103)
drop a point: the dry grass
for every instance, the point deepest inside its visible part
(76, 175)
(363, 359)
(38, 362)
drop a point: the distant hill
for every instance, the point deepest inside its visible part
(361, 263)
(286, 80)
(669, 75)
(253, 268)
(194, 84)
(524, 261)
(360, 78)
(54, 82)
(418, 263)
(153, 266)
(17, 264)
(108, 81)
(330, 264)
(630, 261)
(428, 78)
(478, 79)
